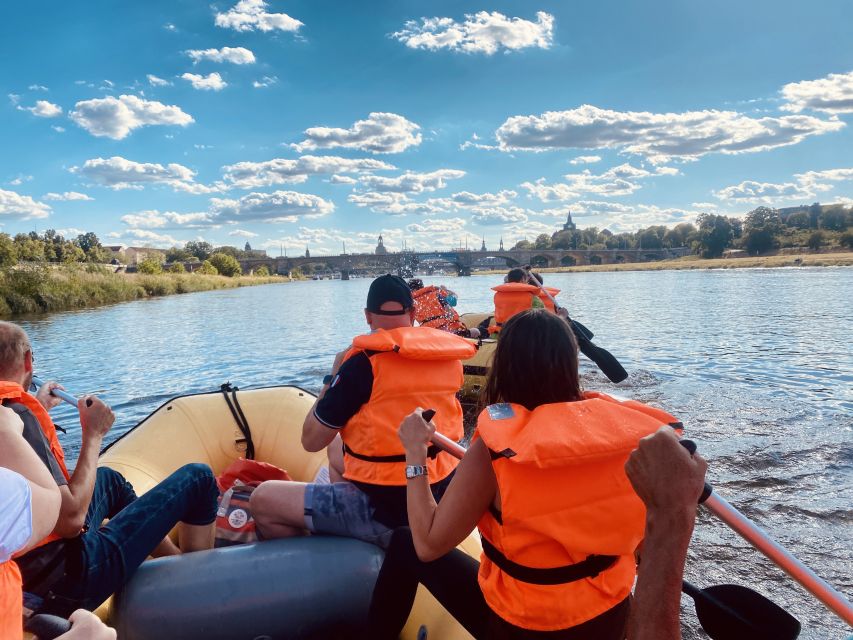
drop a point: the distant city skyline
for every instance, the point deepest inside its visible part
(303, 124)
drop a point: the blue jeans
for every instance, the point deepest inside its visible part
(103, 558)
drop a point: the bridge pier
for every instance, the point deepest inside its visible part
(344, 274)
(463, 271)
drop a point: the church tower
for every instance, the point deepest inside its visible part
(483, 246)
(502, 244)
(570, 224)
(380, 248)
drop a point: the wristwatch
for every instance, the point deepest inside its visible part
(415, 470)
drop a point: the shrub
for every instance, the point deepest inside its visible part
(206, 269)
(177, 267)
(150, 266)
(816, 240)
(847, 239)
(226, 265)
(262, 271)
(8, 252)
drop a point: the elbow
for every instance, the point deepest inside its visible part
(427, 553)
(69, 526)
(309, 444)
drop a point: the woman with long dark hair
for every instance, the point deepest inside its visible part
(544, 482)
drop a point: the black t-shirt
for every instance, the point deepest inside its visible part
(349, 390)
(35, 437)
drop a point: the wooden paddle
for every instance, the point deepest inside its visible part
(726, 612)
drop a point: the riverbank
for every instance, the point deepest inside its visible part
(841, 259)
(40, 290)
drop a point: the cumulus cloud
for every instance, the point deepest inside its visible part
(249, 175)
(436, 225)
(499, 215)
(148, 238)
(266, 81)
(234, 55)
(586, 208)
(38, 87)
(210, 82)
(394, 203)
(379, 133)
(621, 180)
(658, 136)
(43, 109)
(115, 118)
(67, 196)
(482, 32)
(336, 179)
(832, 94)
(14, 205)
(252, 15)
(805, 186)
(278, 206)
(119, 173)
(585, 160)
(468, 199)
(154, 219)
(412, 182)
(154, 81)
(328, 241)
(20, 179)
(242, 233)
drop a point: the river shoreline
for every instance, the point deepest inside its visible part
(839, 259)
(36, 290)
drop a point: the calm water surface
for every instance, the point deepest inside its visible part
(757, 363)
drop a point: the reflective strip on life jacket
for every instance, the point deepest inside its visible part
(511, 298)
(412, 367)
(565, 502)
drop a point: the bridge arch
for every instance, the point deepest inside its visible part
(568, 261)
(595, 259)
(539, 261)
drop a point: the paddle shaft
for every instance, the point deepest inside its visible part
(813, 583)
(59, 393)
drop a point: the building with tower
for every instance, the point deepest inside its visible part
(570, 225)
(483, 246)
(380, 248)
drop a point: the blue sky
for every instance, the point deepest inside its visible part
(296, 123)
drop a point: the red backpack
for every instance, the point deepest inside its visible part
(234, 523)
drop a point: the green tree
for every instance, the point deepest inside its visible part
(8, 252)
(834, 218)
(176, 254)
(799, 220)
(543, 241)
(814, 215)
(761, 229)
(847, 239)
(262, 271)
(226, 265)
(715, 234)
(87, 241)
(565, 239)
(177, 267)
(30, 249)
(206, 269)
(151, 265)
(523, 245)
(816, 240)
(199, 249)
(234, 252)
(681, 235)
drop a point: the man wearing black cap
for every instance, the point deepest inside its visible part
(386, 375)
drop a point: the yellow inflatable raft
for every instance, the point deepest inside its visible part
(311, 587)
(477, 368)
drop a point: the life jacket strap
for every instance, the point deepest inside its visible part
(432, 452)
(588, 568)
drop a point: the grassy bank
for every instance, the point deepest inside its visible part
(41, 289)
(695, 262)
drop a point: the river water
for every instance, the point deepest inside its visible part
(757, 363)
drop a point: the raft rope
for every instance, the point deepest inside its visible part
(239, 417)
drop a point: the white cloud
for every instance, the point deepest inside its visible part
(499, 215)
(170, 27)
(154, 81)
(394, 203)
(278, 206)
(210, 82)
(481, 32)
(251, 15)
(115, 118)
(832, 94)
(266, 81)
(57, 128)
(70, 232)
(436, 225)
(585, 160)
(234, 55)
(67, 196)
(658, 136)
(463, 199)
(336, 179)
(249, 175)
(43, 109)
(154, 219)
(14, 205)
(621, 180)
(148, 238)
(586, 208)
(242, 233)
(379, 133)
(120, 173)
(412, 182)
(326, 241)
(805, 186)
(38, 87)
(20, 179)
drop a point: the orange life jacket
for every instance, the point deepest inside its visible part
(511, 298)
(14, 392)
(11, 601)
(546, 300)
(412, 367)
(561, 550)
(430, 312)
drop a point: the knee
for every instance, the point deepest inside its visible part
(111, 476)
(261, 500)
(201, 476)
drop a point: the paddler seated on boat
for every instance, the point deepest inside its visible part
(81, 563)
(30, 503)
(373, 386)
(544, 482)
(434, 308)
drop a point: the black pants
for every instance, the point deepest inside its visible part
(452, 580)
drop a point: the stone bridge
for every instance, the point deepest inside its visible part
(462, 261)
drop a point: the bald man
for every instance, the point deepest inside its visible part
(81, 563)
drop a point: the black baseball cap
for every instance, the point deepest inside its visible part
(389, 288)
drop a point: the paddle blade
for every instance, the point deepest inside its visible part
(603, 359)
(734, 612)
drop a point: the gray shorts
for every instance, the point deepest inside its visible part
(342, 509)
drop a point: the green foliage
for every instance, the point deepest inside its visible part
(8, 251)
(715, 234)
(523, 245)
(799, 220)
(834, 218)
(262, 271)
(226, 265)
(150, 266)
(816, 240)
(543, 241)
(177, 267)
(847, 239)
(206, 269)
(199, 249)
(761, 229)
(176, 254)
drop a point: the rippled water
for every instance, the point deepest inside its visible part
(757, 363)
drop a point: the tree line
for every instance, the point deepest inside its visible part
(763, 229)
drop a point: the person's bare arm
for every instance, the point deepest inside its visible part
(96, 420)
(438, 528)
(16, 454)
(87, 626)
(669, 481)
(316, 436)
